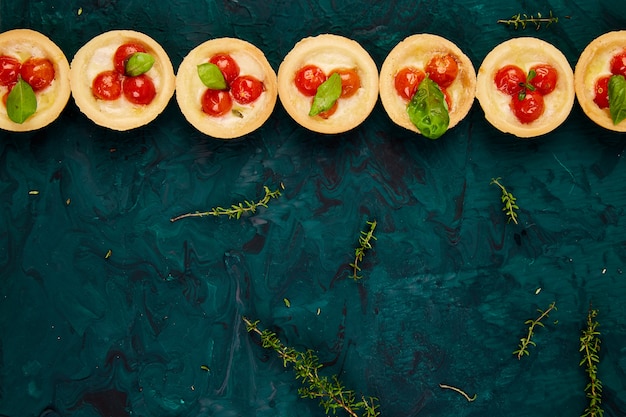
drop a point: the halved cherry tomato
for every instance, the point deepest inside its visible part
(9, 70)
(545, 78)
(442, 69)
(446, 95)
(107, 85)
(326, 114)
(216, 102)
(510, 79)
(601, 89)
(139, 89)
(37, 72)
(308, 78)
(529, 108)
(122, 54)
(227, 65)
(618, 64)
(407, 80)
(350, 81)
(246, 89)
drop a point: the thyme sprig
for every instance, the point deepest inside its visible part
(526, 341)
(508, 200)
(236, 210)
(365, 240)
(590, 348)
(522, 19)
(331, 393)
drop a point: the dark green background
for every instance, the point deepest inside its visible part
(446, 289)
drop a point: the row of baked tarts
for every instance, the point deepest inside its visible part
(329, 84)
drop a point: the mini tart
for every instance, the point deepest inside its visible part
(23, 44)
(97, 56)
(329, 52)
(525, 52)
(593, 63)
(415, 51)
(244, 118)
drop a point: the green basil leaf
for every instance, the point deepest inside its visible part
(428, 110)
(211, 76)
(21, 102)
(617, 98)
(138, 63)
(327, 94)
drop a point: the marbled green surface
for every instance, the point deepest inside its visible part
(446, 289)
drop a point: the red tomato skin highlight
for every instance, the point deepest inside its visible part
(508, 79)
(37, 72)
(545, 78)
(530, 108)
(9, 70)
(246, 89)
(228, 66)
(139, 89)
(407, 80)
(442, 69)
(216, 102)
(107, 85)
(308, 79)
(122, 54)
(601, 89)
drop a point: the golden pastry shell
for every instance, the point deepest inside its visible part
(22, 42)
(189, 89)
(95, 109)
(592, 63)
(332, 51)
(415, 51)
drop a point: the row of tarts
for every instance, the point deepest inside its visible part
(329, 84)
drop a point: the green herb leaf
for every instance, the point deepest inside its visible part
(212, 76)
(327, 94)
(138, 63)
(21, 102)
(617, 98)
(428, 110)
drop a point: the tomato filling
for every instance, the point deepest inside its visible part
(37, 72)
(243, 89)
(527, 91)
(308, 79)
(601, 88)
(110, 85)
(443, 69)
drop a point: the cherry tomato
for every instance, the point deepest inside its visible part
(529, 108)
(216, 102)
(326, 114)
(442, 69)
(246, 89)
(227, 65)
(122, 54)
(139, 89)
(602, 92)
(545, 79)
(37, 72)
(407, 80)
(308, 78)
(618, 64)
(9, 70)
(448, 99)
(509, 79)
(350, 81)
(107, 85)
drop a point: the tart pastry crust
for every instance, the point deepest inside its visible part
(416, 51)
(22, 44)
(245, 118)
(593, 63)
(329, 52)
(97, 56)
(525, 52)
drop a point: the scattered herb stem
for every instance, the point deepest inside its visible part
(365, 243)
(526, 341)
(236, 210)
(508, 200)
(522, 19)
(331, 394)
(590, 348)
(460, 391)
